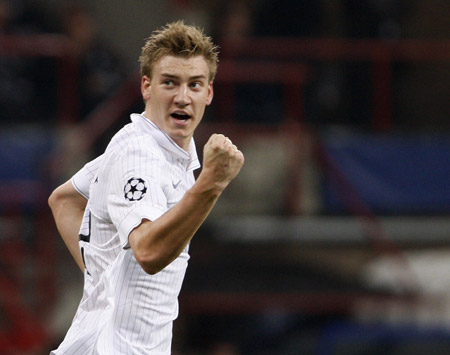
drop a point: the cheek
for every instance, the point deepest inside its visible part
(160, 99)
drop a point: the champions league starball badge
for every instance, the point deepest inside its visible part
(135, 189)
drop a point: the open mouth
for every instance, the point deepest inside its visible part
(180, 116)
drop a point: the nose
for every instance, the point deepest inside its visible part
(182, 96)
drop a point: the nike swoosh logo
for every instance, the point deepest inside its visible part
(175, 185)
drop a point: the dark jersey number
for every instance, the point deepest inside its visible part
(85, 234)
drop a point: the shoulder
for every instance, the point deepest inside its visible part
(134, 154)
(131, 141)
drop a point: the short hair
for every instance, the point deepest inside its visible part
(180, 40)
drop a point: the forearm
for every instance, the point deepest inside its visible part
(156, 244)
(68, 228)
(68, 207)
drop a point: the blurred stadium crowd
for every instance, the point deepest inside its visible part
(335, 237)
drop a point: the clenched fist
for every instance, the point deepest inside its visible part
(222, 161)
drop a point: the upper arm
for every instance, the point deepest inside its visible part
(67, 207)
(75, 192)
(135, 191)
(66, 194)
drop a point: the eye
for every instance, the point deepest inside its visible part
(168, 82)
(196, 85)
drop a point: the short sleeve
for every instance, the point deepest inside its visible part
(81, 181)
(135, 191)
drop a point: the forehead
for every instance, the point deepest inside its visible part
(181, 66)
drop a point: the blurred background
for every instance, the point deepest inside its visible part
(334, 238)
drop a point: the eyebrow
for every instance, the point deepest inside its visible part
(194, 77)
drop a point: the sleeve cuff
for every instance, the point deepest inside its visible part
(80, 185)
(134, 219)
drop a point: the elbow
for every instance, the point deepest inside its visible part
(150, 252)
(150, 263)
(54, 199)
(151, 270)
(147, 254)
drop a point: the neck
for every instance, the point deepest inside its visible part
(182, 143)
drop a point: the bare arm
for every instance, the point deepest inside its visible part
(156, 244)
(68, 206)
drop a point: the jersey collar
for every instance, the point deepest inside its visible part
(189, 157)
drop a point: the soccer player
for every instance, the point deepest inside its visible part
(139, 205)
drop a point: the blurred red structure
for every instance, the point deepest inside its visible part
(382, 54)
(24, 328)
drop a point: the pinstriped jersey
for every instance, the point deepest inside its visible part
(142, 174)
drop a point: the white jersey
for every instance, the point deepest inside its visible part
(124, 310)
(81, 181)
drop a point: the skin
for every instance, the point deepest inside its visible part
(178, 86)
(68, 206)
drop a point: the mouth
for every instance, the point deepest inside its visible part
(180, 116)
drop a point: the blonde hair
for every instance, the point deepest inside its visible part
(178, 39)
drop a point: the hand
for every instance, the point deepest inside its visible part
(222, 161)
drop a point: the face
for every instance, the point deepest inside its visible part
(176, 96)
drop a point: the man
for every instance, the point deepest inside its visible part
(143, 203)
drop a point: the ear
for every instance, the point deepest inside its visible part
(145, 87)
(210, 94)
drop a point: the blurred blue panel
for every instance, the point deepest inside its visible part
(394, 174)
(352, 338)
(23, 152)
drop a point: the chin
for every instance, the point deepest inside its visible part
(179, 138)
